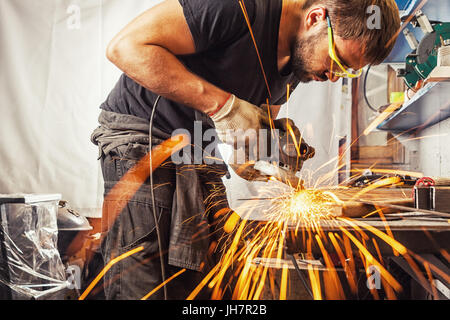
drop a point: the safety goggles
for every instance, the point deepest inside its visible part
(344, 72)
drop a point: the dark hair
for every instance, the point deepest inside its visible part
(349, 19)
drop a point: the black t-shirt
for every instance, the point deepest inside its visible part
(225, 56)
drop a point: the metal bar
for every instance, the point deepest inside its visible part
(256, 199)
(302, 277)
(379, 204)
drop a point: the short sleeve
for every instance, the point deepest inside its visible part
(214, 23)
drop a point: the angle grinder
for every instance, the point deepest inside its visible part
(288, 153)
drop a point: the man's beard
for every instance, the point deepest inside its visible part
(302, 51)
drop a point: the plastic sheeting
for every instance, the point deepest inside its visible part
(30, 264)
(54, 76)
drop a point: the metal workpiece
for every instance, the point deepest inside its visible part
(440, 199)
(419, 235)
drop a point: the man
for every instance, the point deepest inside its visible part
(200, 57)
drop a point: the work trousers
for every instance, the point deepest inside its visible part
(135, 276)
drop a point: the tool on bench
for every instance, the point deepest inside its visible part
(284, 163)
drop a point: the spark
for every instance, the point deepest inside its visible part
(106, 268)
(284, 281)
(381, 183)
(309, 209)
(163, 284)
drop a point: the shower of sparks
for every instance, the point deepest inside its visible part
(305, 206)
(305, 215)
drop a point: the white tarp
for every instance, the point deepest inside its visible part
(54, 76)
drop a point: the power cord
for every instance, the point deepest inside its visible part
(155, 217)
(365, 90)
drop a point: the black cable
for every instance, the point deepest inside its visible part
(365, 90)
(155, 217)
(302, 277)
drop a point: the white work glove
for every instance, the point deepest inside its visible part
(238, 116)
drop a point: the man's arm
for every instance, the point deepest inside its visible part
(146, 51)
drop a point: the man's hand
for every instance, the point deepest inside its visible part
(239, 115)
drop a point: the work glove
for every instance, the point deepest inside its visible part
(237, 117)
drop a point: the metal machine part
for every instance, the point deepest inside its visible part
(423, 21)
(423, 63)
(70, 220)
(279, 173)
(425, 47)
(442, 70)
(412, 41)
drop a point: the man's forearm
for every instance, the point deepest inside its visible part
(160, 71)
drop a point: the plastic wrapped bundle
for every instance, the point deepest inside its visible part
(30, 264)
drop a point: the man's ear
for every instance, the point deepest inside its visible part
(315, 16)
